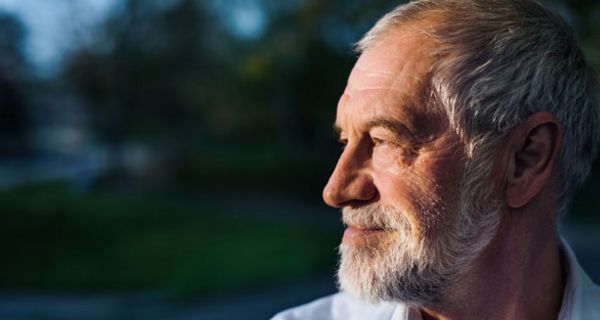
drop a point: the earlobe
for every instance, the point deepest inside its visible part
(534, 150)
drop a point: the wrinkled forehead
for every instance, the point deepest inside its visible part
(401, 56)
(398, 68)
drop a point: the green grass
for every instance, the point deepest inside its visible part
(58, 240)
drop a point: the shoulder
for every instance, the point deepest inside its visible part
(581, 299)
(319, 309)
(586, 297)
(338, 306)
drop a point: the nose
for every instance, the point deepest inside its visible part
(350, 183)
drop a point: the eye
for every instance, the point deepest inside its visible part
(387, 145)
(378, 141)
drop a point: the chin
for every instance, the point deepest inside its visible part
(399, 267)
(372, 274)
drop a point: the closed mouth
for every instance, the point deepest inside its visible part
(354, 231)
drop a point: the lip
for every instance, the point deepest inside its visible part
(354, 231)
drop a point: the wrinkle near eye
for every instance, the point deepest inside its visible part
(390, 158)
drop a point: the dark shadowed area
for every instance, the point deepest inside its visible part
(165, 159)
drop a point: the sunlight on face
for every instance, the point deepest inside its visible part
(398, 265)
(414, 224)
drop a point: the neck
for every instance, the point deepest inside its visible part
(518, 276)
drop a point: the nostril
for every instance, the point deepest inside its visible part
(358, 191)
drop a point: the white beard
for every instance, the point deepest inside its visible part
(403, 267)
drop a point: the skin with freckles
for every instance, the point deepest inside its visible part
(398, 181)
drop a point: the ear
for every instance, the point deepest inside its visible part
(533, 152)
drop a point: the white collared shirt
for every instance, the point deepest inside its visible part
(581, 301)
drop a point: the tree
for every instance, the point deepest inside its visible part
(14, 77)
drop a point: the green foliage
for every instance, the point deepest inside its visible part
(60, 240)
(266, 169)
(235, 114)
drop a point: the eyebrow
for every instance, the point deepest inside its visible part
(397, 127)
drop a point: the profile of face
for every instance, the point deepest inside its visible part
(412, 230)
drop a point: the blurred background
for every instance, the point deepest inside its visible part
(163, 159)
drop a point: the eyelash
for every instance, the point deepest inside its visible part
(377, 141)
(374, 141)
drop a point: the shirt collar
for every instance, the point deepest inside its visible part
(580, 297)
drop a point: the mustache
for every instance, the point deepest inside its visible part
(375, 217)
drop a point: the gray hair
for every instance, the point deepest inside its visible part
(502, 61)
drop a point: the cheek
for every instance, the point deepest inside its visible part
(439, 202)
(426, 194)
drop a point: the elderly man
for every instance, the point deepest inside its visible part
(467, 125)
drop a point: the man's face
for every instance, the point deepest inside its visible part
(398, 179)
